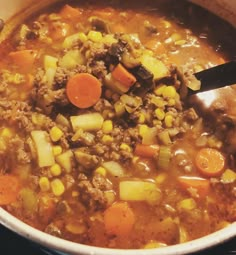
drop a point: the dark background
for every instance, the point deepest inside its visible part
(11, 244)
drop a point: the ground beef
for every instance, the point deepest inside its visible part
(98, 69)
(17, 146)
(17, 112)
(92, 192)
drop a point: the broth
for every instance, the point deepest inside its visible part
(97, 143)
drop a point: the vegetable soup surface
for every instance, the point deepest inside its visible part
(99, 144)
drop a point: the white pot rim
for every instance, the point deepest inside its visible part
(61, 245)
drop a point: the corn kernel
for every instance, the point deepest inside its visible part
(141, 118)
(125, 147)
(82, 37)
(57, 150)
(107, 126)
(154, 244)
(161, 178)
(107, 139)
(75, 193)
(228, 176)
(44, 184)
(158, 102)
(143, 129)
(160, 114)
(180, 42)
(6, 132)
(135, 159)
(58, 187)
(109, 39)
(159, 90)
(95, 36)
(55, 170)
(101, 170)
(169, 92)
(171, 102)
(187, 204)
(169, 121)
(56, 134)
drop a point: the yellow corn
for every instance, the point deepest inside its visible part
(82, 37)
(169, 121)
(135, 159)
(55, 170)
(58, 187)
(107, 126)
(160, 114)
(154, 244)
(141, 118)
(143, 129)
(101, 170)
(56, 134)
(161, 178)
(171, 102)
(228, 176)
(6, 132)
(159, 90)
(109, 39)
(75, 193)
(44, 184)
(107, 139)
(57, 150)
(125, 147)
(169, 92)
(187, 204)
(95, 36)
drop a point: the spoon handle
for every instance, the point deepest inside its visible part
(217, 77)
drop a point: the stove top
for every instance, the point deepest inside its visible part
(12, 244)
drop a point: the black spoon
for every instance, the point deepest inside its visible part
(216, 77)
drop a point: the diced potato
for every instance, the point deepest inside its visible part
(228, 176)
(155, 66)
(65, 160)
(150, 136)
(87, 122)
(114, 168)
(139, 191)
(29, 200)
(187, 204)
(50, 62)
(71, 59)
(43, 147)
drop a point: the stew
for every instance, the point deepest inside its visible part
(98, 142)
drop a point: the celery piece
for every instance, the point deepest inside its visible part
(87, 122)
(43, 148)
(164, 157)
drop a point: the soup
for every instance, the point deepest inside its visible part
(98, 143)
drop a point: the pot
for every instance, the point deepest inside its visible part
(226, 9)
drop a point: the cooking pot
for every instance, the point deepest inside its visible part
(226, 9)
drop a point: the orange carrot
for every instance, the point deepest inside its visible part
(69, 12)
(24, 59)
(210, 162)
(147, 151)
(201, 185)
(119, 219)
(123, 76)
(9, 189)
(83, 90)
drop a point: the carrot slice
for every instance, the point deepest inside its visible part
(147, 151)
(83, 90)
(210, 162)
(123, 76)
(119, 219)
(69, 12)
(24, 59)
(9, 189)
(202, 186)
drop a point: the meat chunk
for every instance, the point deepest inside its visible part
(92, 191)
